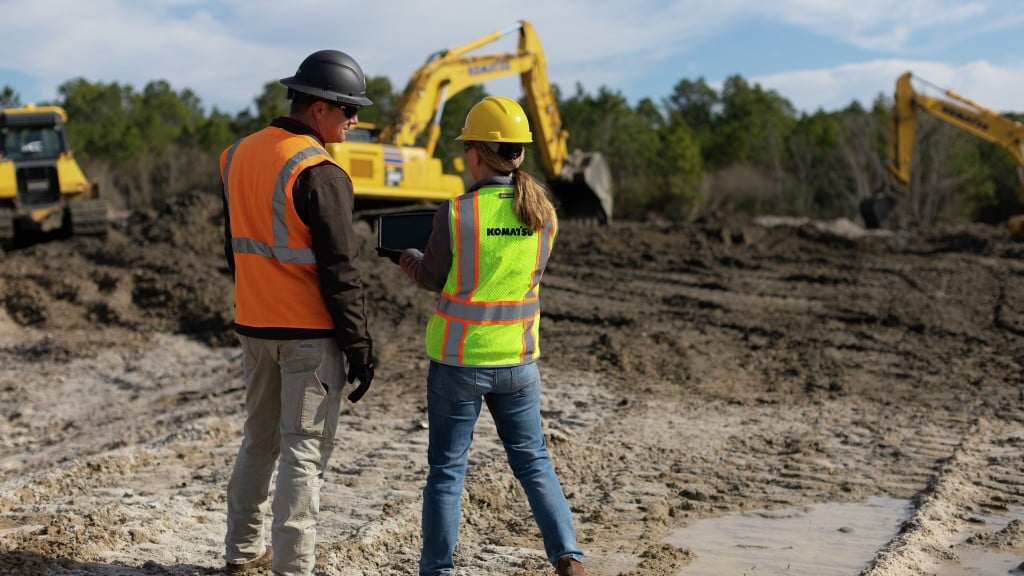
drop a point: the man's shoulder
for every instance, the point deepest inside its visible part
(325, 175)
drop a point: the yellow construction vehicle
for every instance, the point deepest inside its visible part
(42, 188)
(953, 109)
(391, 167)
(385, 176)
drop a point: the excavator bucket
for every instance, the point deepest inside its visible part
(583, 190)
(1015, 226)
(875, 209)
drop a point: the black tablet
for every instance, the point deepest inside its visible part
(401, 230)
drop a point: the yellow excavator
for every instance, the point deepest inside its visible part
(390, 167)
(953, 109)
(42, 188)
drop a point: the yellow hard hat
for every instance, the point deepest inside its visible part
(497, 119)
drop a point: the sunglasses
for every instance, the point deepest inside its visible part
(348, 111)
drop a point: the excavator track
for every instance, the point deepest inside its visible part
(88, 217)
(6, 225)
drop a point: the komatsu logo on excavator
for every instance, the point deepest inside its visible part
(976, 122)
(476, 69)
(520, 231)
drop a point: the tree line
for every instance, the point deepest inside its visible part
(737, 150)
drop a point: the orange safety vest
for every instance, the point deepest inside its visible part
(276, 282)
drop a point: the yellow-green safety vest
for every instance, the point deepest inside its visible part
(488, 313)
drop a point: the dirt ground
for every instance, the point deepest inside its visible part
(691, 370)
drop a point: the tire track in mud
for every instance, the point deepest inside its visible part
(370, 500)
(90, 406)
(979, 480)
(116, 459)
(722, 457)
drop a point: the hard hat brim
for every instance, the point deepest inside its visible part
(294, 84)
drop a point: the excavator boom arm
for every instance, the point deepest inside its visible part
(580, 181)
(540, 99)
(445, 74)
(952, 109)
(449, 77)
(451, 71)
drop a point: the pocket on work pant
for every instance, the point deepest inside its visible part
(303, 394)
(312, 407)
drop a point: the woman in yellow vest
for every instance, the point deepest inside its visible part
(486, 254)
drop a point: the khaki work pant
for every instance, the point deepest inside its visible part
(292, 404)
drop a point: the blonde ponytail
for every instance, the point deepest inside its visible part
(532, 202)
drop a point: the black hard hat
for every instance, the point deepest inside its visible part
(331, 75)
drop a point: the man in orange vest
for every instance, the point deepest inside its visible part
(299, 311)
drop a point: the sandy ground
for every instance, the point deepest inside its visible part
(691, 371)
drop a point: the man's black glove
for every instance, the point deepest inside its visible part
(364, 373)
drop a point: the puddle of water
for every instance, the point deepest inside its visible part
(822, 540)
(979, 562)
(984, 564)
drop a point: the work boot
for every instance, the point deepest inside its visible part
(263, 561)
(569, 567)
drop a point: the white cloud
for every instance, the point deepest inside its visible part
(835, 88)
(879, 25)
(226, 50)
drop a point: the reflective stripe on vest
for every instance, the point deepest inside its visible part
(279, 250)
(494, 322)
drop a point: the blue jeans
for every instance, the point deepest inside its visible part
(512, 393)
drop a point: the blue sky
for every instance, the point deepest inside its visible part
(818, 54)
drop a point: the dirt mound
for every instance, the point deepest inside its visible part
(614, 297)
(157, 271)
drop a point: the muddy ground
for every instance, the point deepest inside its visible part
(692, 370)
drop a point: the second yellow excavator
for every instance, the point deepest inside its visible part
(955, 110)
(388, 166)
